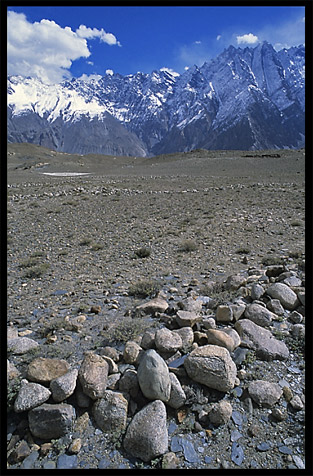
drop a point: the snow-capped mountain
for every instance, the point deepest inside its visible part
(247, 99)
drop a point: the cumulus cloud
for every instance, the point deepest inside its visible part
(46, 50)
(91, 33)
(218, 37)
(110, 72)
(248, 38)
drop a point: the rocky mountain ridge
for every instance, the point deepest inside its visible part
(246, 99)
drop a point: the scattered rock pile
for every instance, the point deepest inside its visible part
(129, 394)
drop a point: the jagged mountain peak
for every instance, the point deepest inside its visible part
(246, 98)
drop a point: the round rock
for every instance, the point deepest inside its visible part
(43, 370)
(212, 366)
(146, 436)
(167, 341)
(286, 296)
(153, 376)
(265, 393)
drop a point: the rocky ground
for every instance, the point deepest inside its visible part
(85, 251)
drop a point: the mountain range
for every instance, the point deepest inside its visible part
(244, 99)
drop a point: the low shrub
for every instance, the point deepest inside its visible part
(144, 288)
(187, 246)
(142, 252)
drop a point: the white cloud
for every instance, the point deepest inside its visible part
(91, 33)
(197, 42)
(88, 78)
(44, 49)
(247, 38)
(218, 37)
(110, 72)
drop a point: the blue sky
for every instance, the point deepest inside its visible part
(54, 43)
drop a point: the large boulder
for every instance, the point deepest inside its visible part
(110, 411)
(146, 436)
(93, 375)
(167, 341)
(259, 314)
(153, 376)
(265, 393)
(261, 340)
(51, 421)
(286, 296)
(212, 366)
(64, 386)
(220, 338)
(43, 370)
(30, 395)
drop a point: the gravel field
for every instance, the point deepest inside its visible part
(81, 245)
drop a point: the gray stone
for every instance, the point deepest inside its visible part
(146, 436)
(153, 376)
(292, 281)
(259, 315)
(220, 413)
(43, 370)
(12, 333)
(261, 340)
(237, 454)
(238, 309)
(286, 296)
(67, 462)
(298, 331)
(93, 375)
(110, 411)
(131, 352)
(256, 291)
(51, 421)
(191, 304)
(234, 282)
(296, 403)
(19, 453)
(212, 366)
(275, 306)
(187, 318)
(167, 341)
(29, 461)
(187, 337)
(147, 341)
(12, 371)
(64, 386)
(157, 304)
(209, 322)
(129, 382)
(177, 396)
(265, 393)
(224, 313)
(30, 395)
(113, 381)
(21, 345)
(295, 317)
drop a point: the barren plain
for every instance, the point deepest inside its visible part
(173, 221)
